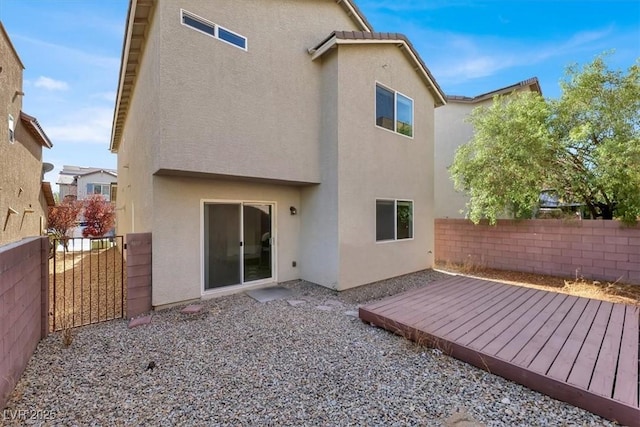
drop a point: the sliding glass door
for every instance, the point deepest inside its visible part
(238, 243)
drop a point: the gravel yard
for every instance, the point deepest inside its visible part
(241, 362)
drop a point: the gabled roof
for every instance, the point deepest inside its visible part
(13, 49)
(366, 37)
(83, 170)
(138, 18)
(531, 83)
(34, 128)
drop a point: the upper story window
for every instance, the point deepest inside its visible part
(104, 189)
(394, 219)
(12, 129)
(394, 111)
(214, 30)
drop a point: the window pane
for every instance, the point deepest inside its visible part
(194, 23)
(384, 220)
(384, 108)
(404, 219)
(89, 189)
(405, 115)
(235, 39)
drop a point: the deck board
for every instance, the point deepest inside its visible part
(579, 350)
(626, 387)
(584, 365)
(567, 356)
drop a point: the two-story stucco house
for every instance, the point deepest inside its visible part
(265, 141)
(24, 198)
(452, 131)
(80, 182)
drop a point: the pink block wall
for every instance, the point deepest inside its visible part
(24, 282)
(138, 273)
(596, 249)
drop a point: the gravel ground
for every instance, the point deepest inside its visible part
(241, 362)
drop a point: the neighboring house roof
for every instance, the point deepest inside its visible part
(82, 171)
(531, 83)
(366, 37)
(34, 128)
(138, 19)
(13, 49)
(48, 193)
(65, 180)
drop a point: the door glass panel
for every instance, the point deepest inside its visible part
(257, 248)
(221, 245)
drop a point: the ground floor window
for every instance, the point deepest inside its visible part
(394, 219)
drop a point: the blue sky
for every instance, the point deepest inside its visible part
(71, 50)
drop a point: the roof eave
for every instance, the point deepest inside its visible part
(139, 14)
(532, 83)
(13, 49)
(36, 130)
(356, 14)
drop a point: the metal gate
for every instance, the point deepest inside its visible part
(87, 281)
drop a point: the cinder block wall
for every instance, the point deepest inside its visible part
(596, 249)
(138, 254)
(24, 282)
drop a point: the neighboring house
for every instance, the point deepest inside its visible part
(24, 198)
(81, 182)
(266, 141)
(452, 131)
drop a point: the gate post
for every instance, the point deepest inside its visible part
(44, 286)
(138, 250)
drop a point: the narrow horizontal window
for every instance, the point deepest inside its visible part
(198, 25)
(232, 38)
(209, 28)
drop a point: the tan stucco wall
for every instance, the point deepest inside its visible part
(21, 170)
(319, 249)
(452, 131)
(376, 163)
(266, 111)
(134, 208)
(177, 231)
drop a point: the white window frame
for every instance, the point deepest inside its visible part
(257, 284)
(215, 28)
(395, 220)
(12, 129)
(395, 110)
(102, 185)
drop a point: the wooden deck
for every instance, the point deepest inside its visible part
(578, 350)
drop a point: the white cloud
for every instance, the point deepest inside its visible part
(89, 125)
(459, 58)
(50, 84)
(73, 55)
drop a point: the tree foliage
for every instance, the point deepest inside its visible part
(99, 216)
(585, 145)
(62, 218)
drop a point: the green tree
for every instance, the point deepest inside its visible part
(585, 145)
